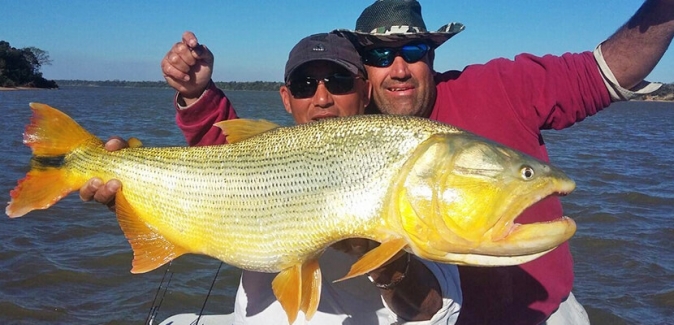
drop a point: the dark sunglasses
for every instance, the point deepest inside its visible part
(337, 84)
(384, 56)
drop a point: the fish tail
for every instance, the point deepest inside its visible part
(51, 135)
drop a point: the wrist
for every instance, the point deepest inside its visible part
(189, 98)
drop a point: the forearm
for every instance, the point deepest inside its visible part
(196, 121)
(635, 49)
(415, 297)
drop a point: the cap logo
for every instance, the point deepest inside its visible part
(318, 48)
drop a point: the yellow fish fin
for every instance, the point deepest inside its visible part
(287, 289)
(311, 287)
(241, 129)
(51, 135)
(375, 258)
(134, 142)
(150, 249)
(40, 189)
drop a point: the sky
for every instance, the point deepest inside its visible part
(126, 40)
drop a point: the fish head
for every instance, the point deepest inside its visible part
(457, 199)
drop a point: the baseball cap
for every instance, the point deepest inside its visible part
(324, 46)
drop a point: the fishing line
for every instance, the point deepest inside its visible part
(154, 310)
(208, 294)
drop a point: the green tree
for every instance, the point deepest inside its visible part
(21, 67)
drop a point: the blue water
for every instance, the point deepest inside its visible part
(70, 264)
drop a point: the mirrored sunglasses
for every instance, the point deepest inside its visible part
(384, 56)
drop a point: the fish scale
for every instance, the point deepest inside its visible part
(275, 198)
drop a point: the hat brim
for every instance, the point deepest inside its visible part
(437, 38)
(345, 64)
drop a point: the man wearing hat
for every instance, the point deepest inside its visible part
(324, 78)
(509, 101)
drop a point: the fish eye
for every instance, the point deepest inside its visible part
(527, 173)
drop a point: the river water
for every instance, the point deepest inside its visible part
(70, 264)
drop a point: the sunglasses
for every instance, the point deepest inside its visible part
(384, 56)
(337, 84)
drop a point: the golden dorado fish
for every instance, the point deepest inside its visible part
(276, 197)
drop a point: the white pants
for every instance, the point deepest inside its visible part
(570, 312)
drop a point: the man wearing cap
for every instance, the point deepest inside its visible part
(324, 77)
(509, 101)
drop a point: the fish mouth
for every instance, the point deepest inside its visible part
(512, 243)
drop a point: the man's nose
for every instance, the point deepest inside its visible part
(322, 97)
(399, 68)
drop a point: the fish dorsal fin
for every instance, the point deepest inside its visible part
(150, 249)
(299, 288)
(241, 129)
(375, 258)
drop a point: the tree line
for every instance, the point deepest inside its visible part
(21, 67)
(224, 85)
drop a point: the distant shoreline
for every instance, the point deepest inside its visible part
(19, 88)
(658, 96)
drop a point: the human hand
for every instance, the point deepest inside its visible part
(94, 189)
(188, 67)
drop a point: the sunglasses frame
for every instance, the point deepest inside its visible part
(311, 83)
(385, 60)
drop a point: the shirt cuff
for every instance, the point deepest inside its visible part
(184, 107)
(617, 92)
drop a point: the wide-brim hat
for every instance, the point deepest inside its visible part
(387, 21)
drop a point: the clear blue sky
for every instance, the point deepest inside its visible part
(125, 40)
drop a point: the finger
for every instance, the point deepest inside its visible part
(204, 54)
(190, 39)
(89, 189)
(171, 73)
(115, 143)
(106, 193)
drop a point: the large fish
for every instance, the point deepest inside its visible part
(276, 197)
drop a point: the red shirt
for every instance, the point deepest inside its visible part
(197, 121)
(510, 101)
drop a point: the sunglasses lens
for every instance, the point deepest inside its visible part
(383, 57)
(337, 84)
(380, 57)
(303, 88)
(414, 52)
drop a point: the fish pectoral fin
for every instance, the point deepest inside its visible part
(150, 249)
(375, 258)
(287, 289)
(241, 129)
(311, 287)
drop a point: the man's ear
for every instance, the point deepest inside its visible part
(367, 95)
(285, 97)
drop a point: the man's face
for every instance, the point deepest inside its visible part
(403, 88)
(305, 105)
